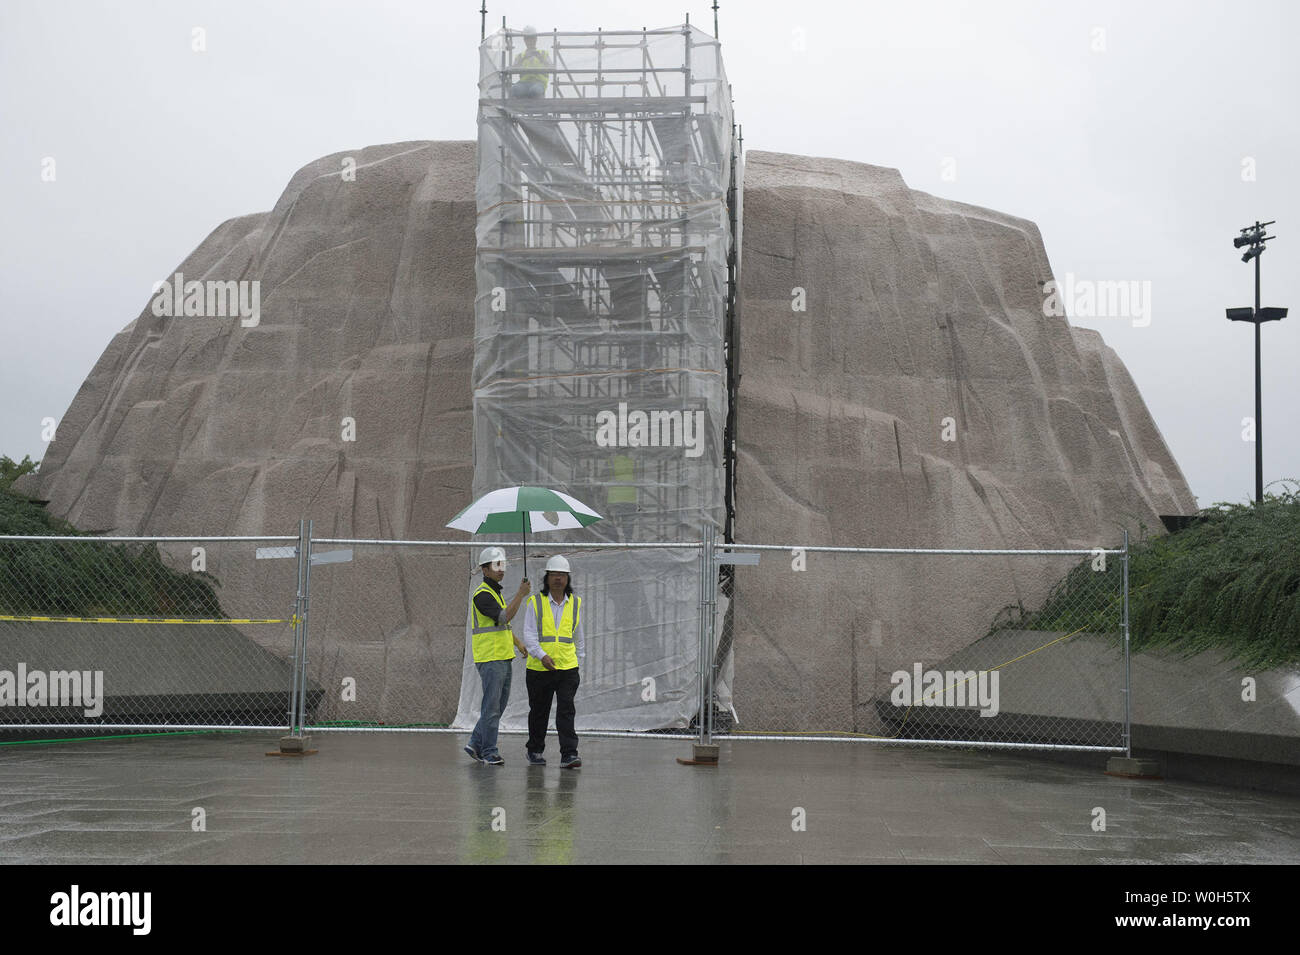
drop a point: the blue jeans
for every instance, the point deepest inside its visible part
(495, 675)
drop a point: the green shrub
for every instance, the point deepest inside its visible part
(74, 579)
(1231, 582)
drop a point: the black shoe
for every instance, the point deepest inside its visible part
(570, 762)
(472, 753)
(494, 760)
(535, 759)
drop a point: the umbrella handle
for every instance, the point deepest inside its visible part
(523, 523)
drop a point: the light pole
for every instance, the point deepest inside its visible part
(1254, 237)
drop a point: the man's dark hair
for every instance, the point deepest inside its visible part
(546, 583)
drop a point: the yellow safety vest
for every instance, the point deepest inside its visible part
(491, 641)
(557, 644)
(536, 59)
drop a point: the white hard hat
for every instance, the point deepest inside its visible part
(530, 30)
(558, 564)
(490, 555)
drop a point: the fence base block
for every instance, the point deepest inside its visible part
(702, 754)
(1138, 768)
(295, 746)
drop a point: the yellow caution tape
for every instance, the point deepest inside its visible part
(139, 619)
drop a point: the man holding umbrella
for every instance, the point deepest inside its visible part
(553, 638)
(494, 651)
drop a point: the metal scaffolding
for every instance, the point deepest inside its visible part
(606, 267)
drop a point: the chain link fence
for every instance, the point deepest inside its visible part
(143, 632)
(987, 648)
(389, 634)
(999, 647)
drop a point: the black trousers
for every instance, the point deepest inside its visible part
(543, 685)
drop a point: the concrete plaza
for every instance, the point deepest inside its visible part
(413, 798)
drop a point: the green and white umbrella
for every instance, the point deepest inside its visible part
(511, 509)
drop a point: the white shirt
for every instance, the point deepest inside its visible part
(533, 644)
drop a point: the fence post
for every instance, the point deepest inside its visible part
(699, 716)
(297, 630)
(711, 608)
(704, 751)
(306, 613)
(706, 668)
(1128, 686)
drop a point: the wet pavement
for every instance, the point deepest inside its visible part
(374, 798)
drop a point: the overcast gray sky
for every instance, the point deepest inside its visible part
(1121, 129)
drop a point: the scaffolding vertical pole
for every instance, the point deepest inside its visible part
(687, 110)
(731, 353)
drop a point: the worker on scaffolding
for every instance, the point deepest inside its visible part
(555, 173)
(531, 85)
(620, 501)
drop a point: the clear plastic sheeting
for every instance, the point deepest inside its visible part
(640, 611)
(657, 491)
(605, 160)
